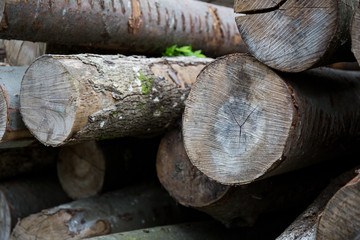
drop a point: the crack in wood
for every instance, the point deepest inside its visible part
(241, 125)
(264, 10)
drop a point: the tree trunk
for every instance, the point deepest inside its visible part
(124, 210)
(23, 53)
(136, 26)
(305, 226)
(69, 99)
(13, 132)
(293, 36)
(355, 34)
(341, 216)
(22, 197)
(233, 206)
(244, 122)
(188, 231)
(89, 168)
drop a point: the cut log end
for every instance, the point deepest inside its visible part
(355, 34)
(47, 101)
(5, 216)
(180, 178)
(238, 109)
(290, 36)
(3, 113)
(75, 164)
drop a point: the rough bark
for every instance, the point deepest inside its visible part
(23, 53)
(69, 99)
(188, 231)
(127, 209)
(293, 36)
(244, 122)
(305, 226)
(22, 197)
(233, 206)
(340, 218)
(355, 34)
(13, 132)
(86, 169)
(136, 26)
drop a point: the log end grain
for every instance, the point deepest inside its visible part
(355, 34)
(5, 217)
(3, 112)
(81, 169)
(237, 110)
(180, 178)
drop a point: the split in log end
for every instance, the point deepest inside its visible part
(237, 110)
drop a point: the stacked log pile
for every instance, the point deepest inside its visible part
(259, 140)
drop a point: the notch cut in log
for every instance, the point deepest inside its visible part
(85, 97)
(22, 197)
(240, 206)
(293, 36)
(126, 209)
(244, 122)
(136, 26)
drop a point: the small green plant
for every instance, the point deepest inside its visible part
(145, 83)
(175, 51)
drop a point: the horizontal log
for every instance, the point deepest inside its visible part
(244, 122)
(188, 231)
(70, 99)
(305, 226)
(126, 209)
(235, 206)
(24, 196)
(89, 168)
(293, 36)
(136, 26)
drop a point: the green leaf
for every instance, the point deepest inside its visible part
(174, 51)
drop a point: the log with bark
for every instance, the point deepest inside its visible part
(293, 36)
(355, 34)
(234, 206)
(306, 226)
(244, 122)
(88, 168)
(69, 99)
(23, 53)
(126, 209)
(188, 231)
(13, 132)
(22, 197)
(134, 26)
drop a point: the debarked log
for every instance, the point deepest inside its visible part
(293, 36)
(234, 206)
(244, 121)
(134, 26)
(126, 209)
(85, 97)
(22, 197)
(13, 132)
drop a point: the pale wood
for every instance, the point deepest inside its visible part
(293, 36)
(233, 206)
(24, 196)
(23, 53)
(244, 122)
(127, 209)
(69, 99)
(305, 226)
(355, 34)
(188, 231)
(134, 26)
(341, 216)
(13, 132)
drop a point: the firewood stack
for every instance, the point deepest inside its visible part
(102, 138)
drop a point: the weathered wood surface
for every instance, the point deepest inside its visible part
(126, 209)
(355, 34)
(341, 216)
(136, 26)
(305, 226)
(69, 99)
(233, 206)
(13, 132)
(293, 36)
(244, 122)
(22, 197)
(188, 231)
(23, 53)
(89, 168)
